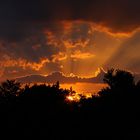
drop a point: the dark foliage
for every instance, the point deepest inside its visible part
(43, 111)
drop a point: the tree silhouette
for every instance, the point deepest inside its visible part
(138, 84)
(10, 88)
(43, 109)
(119, 79)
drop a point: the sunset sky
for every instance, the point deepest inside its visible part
(75, 37)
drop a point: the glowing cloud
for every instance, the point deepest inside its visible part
(82, 55)
(9, 62)
(59, 57)
(69, 46)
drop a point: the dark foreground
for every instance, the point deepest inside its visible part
(43, 111)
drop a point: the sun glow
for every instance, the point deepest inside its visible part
(75, 97)
(70, 98)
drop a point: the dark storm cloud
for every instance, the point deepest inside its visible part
(31, 50)
(20, 19)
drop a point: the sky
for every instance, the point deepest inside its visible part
(75, 37)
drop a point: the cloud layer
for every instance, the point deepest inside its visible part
(71, 36)
(19, 20)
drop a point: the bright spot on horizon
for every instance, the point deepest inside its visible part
(75, 97)
(70, 98)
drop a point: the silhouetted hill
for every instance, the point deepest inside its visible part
(58, 76)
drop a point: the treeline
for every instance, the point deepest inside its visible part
(43, 111)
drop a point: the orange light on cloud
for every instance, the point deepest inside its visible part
(70, 44)
(59, 57)
(51, 38)
(9, 62)
(99, 71)
(82, 55)
(78, 47)
(103, 28)
(67, 24)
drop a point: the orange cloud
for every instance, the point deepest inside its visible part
(93, 26)
(9, 62)
(98, 71)
(59, 57)
(69, 46)
(51, 38)
(102, 28)
(70, 35)
(79, 42)
(82, 55)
